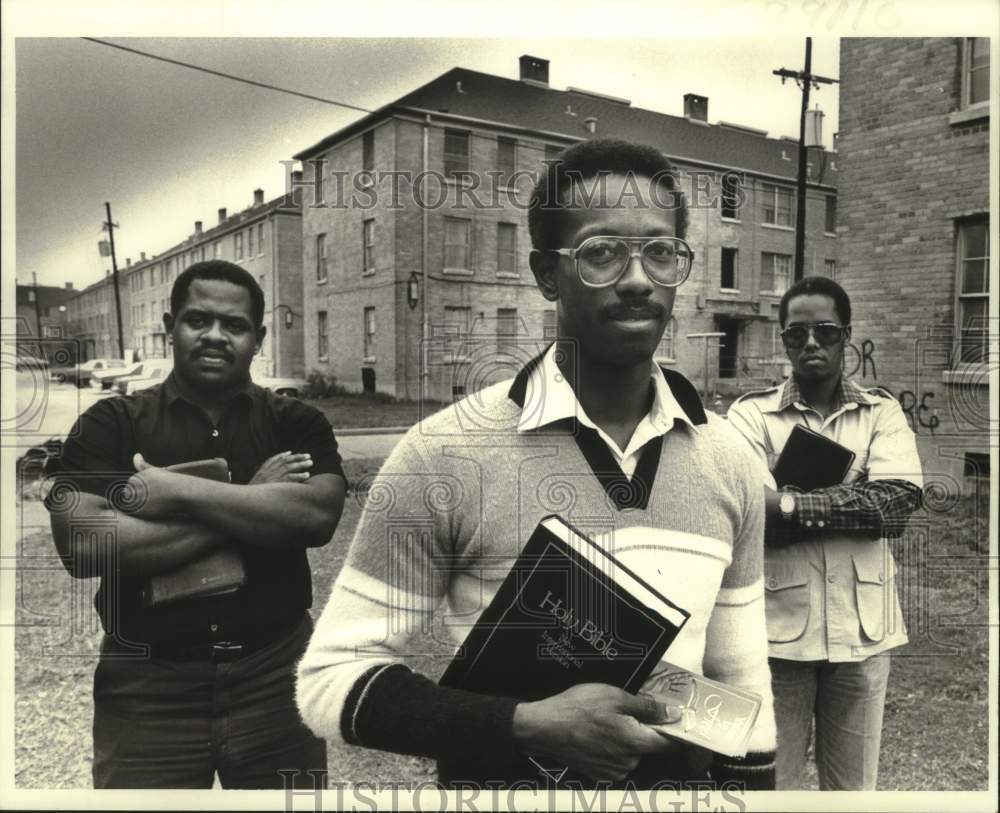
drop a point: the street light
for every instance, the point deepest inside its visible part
(289, 314)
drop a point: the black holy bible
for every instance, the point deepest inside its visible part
(567, 613)
(810, 460)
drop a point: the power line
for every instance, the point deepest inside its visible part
(228, 75)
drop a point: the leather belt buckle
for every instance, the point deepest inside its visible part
(225, 651)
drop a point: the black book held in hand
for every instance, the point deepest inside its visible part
(810, 461)
(216, 574)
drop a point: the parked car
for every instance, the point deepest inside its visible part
(282, 386)
(151, 371)
(105, 379)
(80, 374)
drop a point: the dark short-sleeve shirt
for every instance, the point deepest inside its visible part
(167, 429)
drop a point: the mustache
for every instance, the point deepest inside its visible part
(639, 310)
(215, 351)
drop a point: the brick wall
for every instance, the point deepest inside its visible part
(910, 173)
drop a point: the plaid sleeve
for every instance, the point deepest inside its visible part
(881, 508)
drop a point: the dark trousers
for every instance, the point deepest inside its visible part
(165, 723)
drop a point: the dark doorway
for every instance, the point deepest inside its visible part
(729, 346)
(368, 379)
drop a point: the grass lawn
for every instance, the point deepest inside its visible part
(936, 720)
(362, 411)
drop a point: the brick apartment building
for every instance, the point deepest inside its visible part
(42, 311)
(914, 222)
(377, 264)
(266, 240)
(91, 322)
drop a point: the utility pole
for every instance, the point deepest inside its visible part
(110, 226)
(38, 312)
(805, 79)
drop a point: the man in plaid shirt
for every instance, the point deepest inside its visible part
(831, 603)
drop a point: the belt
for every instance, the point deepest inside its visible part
(223, 651)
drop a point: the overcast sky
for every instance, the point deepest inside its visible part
(167, 145)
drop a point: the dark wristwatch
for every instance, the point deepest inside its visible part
(786, 504)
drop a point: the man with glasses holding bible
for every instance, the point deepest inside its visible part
(832, 609)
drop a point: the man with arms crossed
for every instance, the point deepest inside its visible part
(832, 609)
(200, 686)
(634, 446)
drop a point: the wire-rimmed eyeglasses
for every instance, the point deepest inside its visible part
(601, 260)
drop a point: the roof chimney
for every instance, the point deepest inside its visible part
(69, 286)
(142, 256)
(534, 69)
(128, 262)
(591, 124)
(696, 107)
(197, 227)
(258, 197)
(222, 214)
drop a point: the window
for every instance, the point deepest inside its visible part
(732, 193)
(217, 248)
(730, 278)
(973, 290)
(202, 253)
(238, 245)
(322, 340)
(194, 257)
(368, 151)
(31, 294)
(666, 348)
(830, 221)
(142, 313)
(260, 238)
(250, 242)
(775, 271)
(830, 268)
(976, 71)
(777, 202)
(318, 164)
(550, 325)
(506, 158)
(369, 332)
(777, 346)
(368, 240)
(456, 243)
(456, 152)
(456, 331)
(321, 257)
(506, 328)
(506, 248)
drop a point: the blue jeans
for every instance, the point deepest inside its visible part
(162, 723)
(846, 700)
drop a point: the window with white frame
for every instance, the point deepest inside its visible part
(777, 205)
(202, 253)
(368, 240)
(456, 152)
(506, 248)
(506, 159)
(730, 270)
(775, 271)
(217, 248)
(830, 215)
(322, 340)
(250, 241)
(975, 71)
(506, 328)
(456, 331)
(830, 268)
(260, 238)
(973, 290)
(456, 242)
(238, 245)
(666, 348)
(732, 194)
(369, 327)
(321, 257)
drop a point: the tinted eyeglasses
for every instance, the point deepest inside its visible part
(601, 261)
(825, 333)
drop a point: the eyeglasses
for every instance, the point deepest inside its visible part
(825, 333)
(601, 261)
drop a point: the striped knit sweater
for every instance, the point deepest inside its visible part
(443, 524)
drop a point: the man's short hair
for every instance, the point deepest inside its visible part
(226, 271)
(817, 285)
(591, 159)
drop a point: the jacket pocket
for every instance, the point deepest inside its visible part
(786, 603)
(875, 593)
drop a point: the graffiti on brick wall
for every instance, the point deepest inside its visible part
(859, 362)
